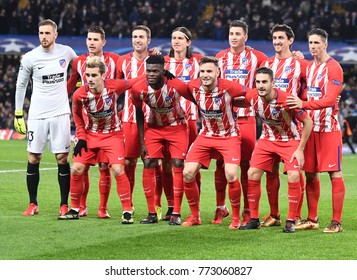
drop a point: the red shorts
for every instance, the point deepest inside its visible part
(112, 144)
(248, 134)
(132, 140)
(204, 148)
(175, 137)
(266, 152)
(323, 152)
(102, 157)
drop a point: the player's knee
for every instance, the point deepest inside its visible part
(78, 168)
(293, 176)
(188, 175)
(118, 169)
(103, 165)
(34, 158)
(62, 158)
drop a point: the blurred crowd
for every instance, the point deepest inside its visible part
(207, 19)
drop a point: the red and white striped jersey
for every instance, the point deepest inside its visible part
(165, 109)
(289, 73)
(241, 67)
(79, 67)
(129, 67)
(101, 108)
(324, 84)
(216, 107)
(185, 70)
(279, 122)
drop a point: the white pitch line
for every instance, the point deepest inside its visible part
(24, 170)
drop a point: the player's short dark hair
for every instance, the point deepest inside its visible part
(265, 70)
(48, 22)
(319, 32)
(95, 62)
(97, 29)
(283, 28)
(188, 35)
(144, 28)
(209, 59)
(239, 23)
(155, 59)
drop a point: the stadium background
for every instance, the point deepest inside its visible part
(207, 20)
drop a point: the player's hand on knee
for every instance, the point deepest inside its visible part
(81, 144)
(19, 122)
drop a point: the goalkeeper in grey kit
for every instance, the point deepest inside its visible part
(49, 113)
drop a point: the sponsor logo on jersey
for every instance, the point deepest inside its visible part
(236, 74)
(62, 63)
(185, 79)
(102, 114)
(281, 83)
(212, 114)
(313, 92)
(53, 78)
(164, 110)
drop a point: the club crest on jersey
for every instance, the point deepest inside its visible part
(218, 100)
(188, 66)
(287, 69)
(168, 99)
(109, 101)
(319, 76)
(62, 63)
(245, 61)
(275, 113)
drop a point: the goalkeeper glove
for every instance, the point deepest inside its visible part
(19, 122)
(169, 75)
(81, 144)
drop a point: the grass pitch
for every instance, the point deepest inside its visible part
(42, 237)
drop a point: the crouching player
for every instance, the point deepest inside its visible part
(280, 137)
(103, 132)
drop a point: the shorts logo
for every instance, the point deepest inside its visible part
(296, 166)
(120, 158)
(331, 165)
(235, 159)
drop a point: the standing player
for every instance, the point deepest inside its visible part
(289, 76)
(166, 127)
(132, 65)
(95, 42)
(323, 152)
(280, 137)
(219, 135)
(184, 65)
(101, 132)
(238, 63)
(49, 114)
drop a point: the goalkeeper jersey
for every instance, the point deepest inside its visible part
(48, 71)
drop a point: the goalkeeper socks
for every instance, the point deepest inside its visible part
(32, 179)
(64, 174)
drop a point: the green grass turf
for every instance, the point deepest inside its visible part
(42, 237)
